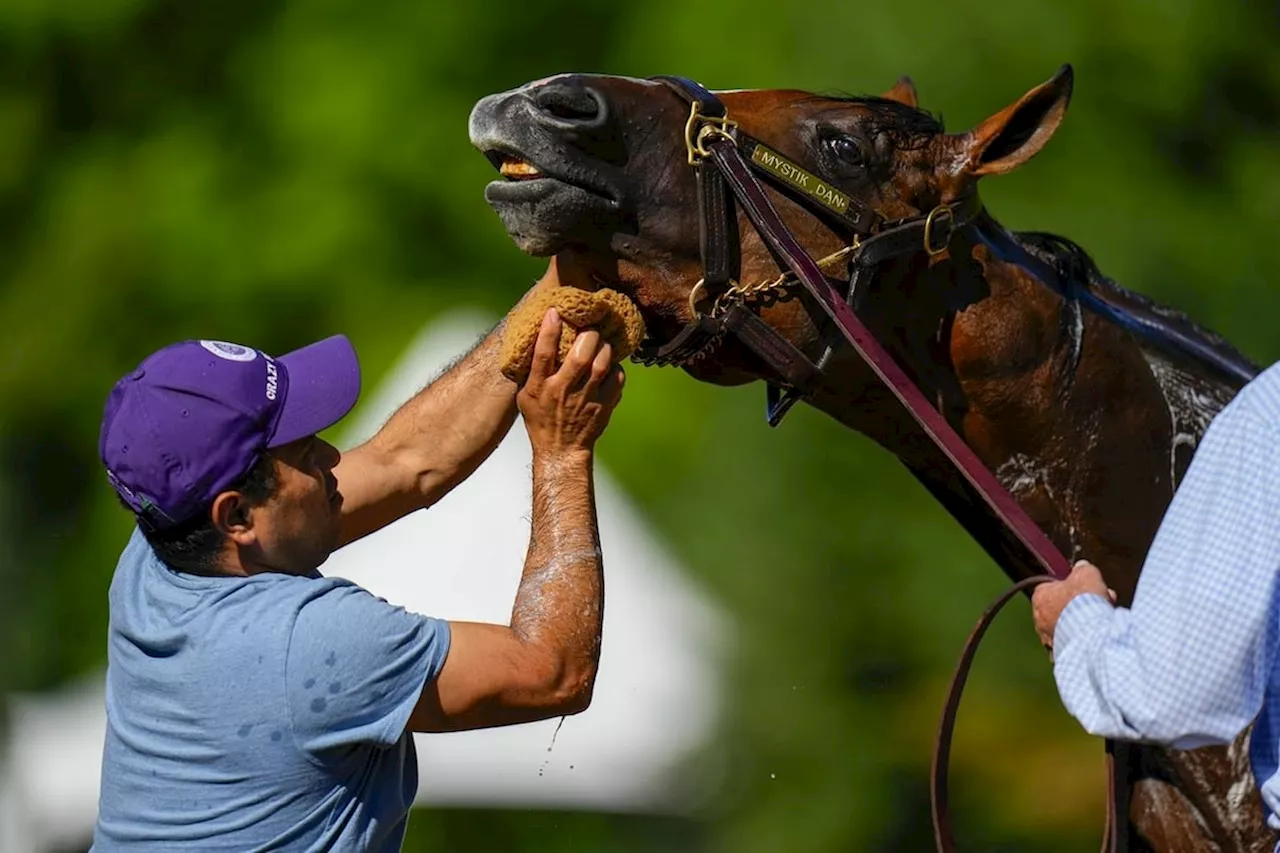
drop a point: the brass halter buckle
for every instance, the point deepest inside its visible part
(701, 128)
(929, 221)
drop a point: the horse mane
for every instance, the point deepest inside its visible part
(1158, 324)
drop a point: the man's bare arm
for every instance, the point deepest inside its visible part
(438, 438)
(435, 441)
(544, 662)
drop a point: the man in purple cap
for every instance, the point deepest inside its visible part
(253, 704)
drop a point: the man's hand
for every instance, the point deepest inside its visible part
(1050, 599)
(567, 409)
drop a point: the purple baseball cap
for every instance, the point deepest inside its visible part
(195, 417)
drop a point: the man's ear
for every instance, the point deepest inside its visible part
(1014, 135)
(904, 92)
(231, 516)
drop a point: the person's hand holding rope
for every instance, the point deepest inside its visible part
(1051, 598)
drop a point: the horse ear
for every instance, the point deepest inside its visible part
(1014, 135)
(904, 92)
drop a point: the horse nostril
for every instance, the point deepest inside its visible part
(569, 103)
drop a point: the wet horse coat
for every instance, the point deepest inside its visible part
(1085, 400)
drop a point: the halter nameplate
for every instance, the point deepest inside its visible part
(803, 181)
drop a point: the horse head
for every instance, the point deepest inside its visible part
(595, 169)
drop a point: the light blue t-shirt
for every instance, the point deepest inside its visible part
(259, 713)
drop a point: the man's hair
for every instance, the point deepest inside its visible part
(193, 545)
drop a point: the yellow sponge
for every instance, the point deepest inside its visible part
(610, 313)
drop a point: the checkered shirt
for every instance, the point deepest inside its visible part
(1193, 662)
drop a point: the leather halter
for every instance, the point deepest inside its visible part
(726, 179)
(873, 241)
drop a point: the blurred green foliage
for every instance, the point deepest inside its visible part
(274, 172)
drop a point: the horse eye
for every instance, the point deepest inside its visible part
(847, 150)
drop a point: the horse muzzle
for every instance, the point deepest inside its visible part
(549, 141)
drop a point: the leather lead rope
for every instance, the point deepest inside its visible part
(755, 202)
(722, 150)
(939, 799)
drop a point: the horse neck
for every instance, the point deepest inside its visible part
(977, 322)
(986, 337)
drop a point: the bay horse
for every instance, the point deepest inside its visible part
(1086, 400)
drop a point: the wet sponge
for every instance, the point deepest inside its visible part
(610, 313)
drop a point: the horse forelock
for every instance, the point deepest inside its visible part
(909, 126)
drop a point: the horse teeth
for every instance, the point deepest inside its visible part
(513, 167)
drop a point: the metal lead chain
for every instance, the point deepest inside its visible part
(758, 290)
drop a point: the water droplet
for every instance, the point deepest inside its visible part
(275, 736)
(335, 688)
(773, 775)
(318, 705)
(555, 734)
(309, 683)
